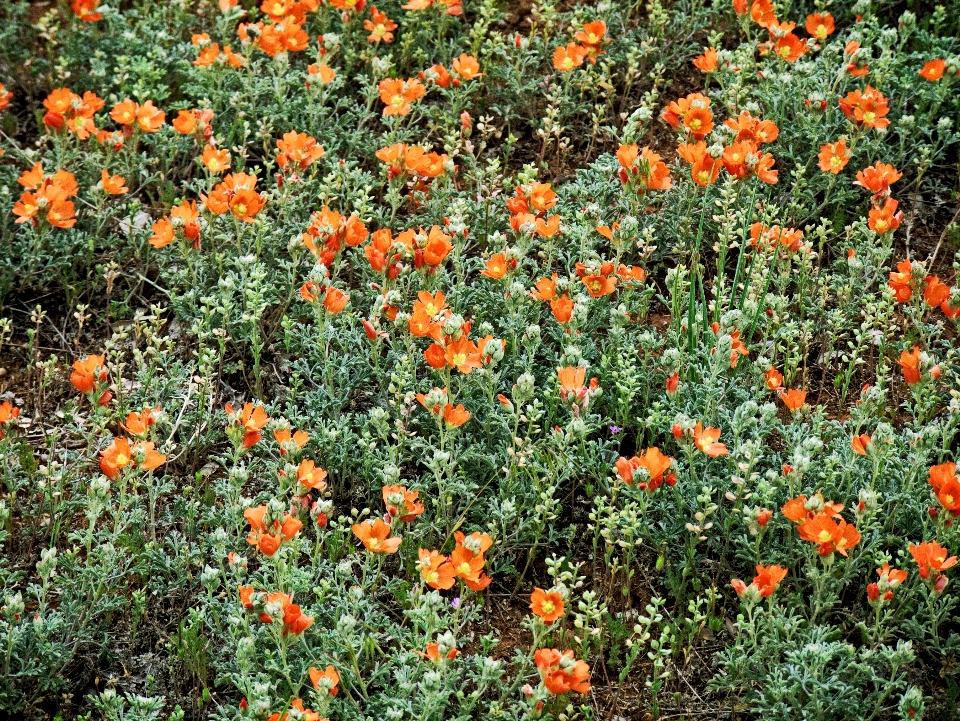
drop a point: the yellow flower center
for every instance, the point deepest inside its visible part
(882, 225)
(122, 460)
(374, 543)
(824, 536)
(459, 359)
(869, 117)
(695, 124)
(463, 568)
(240, 209)
(548, 607)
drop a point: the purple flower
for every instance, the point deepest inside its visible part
(615, 429)
(455, 602)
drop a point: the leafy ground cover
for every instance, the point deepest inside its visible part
(479, 360)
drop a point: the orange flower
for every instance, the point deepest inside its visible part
(138, 424)
(290, 442)
(183, 217)
(706, 440)
(910, 363)
(268, 533)
(113, 184)
(208, 55)
(298, 150)
(549, 227)
(820, 26)
(562, 308)
(656, 465)
(5, 96)
(51, 195)
(600, 285)
(547, 606)
(325, 681)
(773, 379)
(794, 399)
(467, 67)
(790, 47)
(941, 475)
(591, 38)
(642, 170)
(223, 197)
(311, 477)
(8, 416)
(933, 70)
(571, 380)
(878, 178)
(375, 536)
(866, 108)
(88, 372)
(932, 560)
(438, 247)
(119, 454)
(676, 111)
(186, 122)
(401, 501)
(546, 288)
(828, 534)
(706, 62)
(949, 496)
(84, 9)
(761, 12)
(902, 281)
(435, 570)
(834, 156)
(379, 26)
(934, 292)
(705, 170)
(765, 583)
(335, 300)
(698, 122)
(397, 95)
(248, 422)
(149, 118)
(216, 161)
(463, 355)
(567, 58)
(752, 129)
(436, 356)
(560, 672)
(861, 444)
(324, 71)
(496, 266)
(801, 508)
(455, 416)
(245, 204)
(542, 197)
(467, 563)
(433, 648)
(885, 219)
